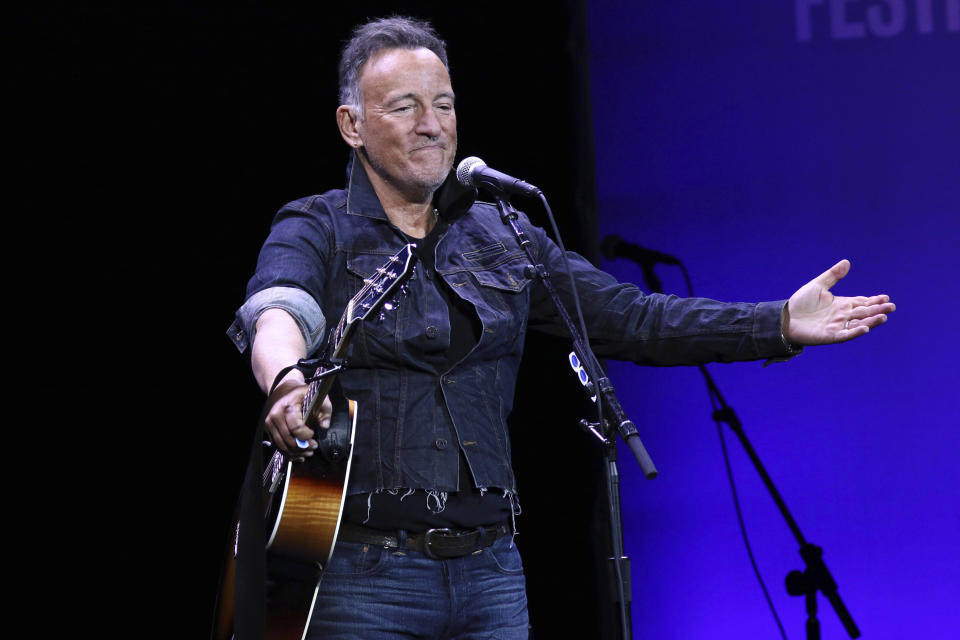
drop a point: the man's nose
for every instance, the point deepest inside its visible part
(429, 124)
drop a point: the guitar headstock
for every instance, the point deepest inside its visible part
(378, 293)
(381, 285)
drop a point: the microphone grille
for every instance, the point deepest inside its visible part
(465, 170)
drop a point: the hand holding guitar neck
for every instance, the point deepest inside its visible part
(285, 421)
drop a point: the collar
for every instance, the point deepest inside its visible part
(451, 200)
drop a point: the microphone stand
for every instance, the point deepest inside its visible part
(605, 428)
(815, 577)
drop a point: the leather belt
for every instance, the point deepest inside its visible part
(433, 543)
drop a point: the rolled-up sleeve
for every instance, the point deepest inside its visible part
(297, 302)
(290, 274)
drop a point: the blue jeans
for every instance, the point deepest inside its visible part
(372, 593)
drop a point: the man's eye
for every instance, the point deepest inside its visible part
(403, 109)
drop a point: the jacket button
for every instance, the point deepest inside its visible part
(431, 331)
(440, 444)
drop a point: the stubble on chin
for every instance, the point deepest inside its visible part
(420, 185)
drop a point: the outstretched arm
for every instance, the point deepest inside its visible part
(815, 316)
(279, 343)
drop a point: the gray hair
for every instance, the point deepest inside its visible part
(396, 32)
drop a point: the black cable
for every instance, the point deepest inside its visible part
(743, 527)
(717, 410)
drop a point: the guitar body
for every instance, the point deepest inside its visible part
(303, 502)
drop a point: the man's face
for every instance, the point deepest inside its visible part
(409, 128)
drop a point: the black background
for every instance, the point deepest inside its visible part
(157, 144)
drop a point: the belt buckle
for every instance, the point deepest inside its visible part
(427, 551)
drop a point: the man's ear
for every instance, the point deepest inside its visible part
(347, 120)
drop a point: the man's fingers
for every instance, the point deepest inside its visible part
(285, 424)
(859, 313)
(863, 301)
(872, 321)
(326, 411)
(289, 432)
(304, 436)
(833, 275)
(301, 436)
(294, 425)
(853, 332)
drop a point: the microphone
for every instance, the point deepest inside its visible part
(616, 247)
(474, 172)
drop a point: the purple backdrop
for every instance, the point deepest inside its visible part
(760, 142)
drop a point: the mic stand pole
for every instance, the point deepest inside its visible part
(815, 577)
(603, 429)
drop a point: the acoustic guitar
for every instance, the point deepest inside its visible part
(303, 501)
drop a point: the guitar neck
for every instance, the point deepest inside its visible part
(313, 400)
(376, 289)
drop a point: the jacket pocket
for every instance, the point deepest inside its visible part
(495, 267)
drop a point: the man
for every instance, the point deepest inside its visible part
(434, 379)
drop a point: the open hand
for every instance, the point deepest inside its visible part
(815, 316)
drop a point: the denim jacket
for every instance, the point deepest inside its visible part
(415, 416)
